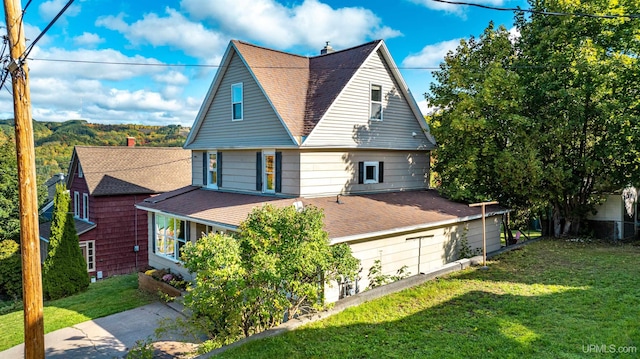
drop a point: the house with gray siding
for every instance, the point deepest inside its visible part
(339, 131)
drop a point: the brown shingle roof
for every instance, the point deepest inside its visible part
(355, 216)
(301, 88)
(133, 170)
(81, 227)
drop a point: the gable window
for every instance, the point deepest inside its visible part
(85, 206)
(212, 170)
(170, 236)
(89, 254)
(376, 102)
(370, 172)
(76, 204)
(236, 102)
(80, 173)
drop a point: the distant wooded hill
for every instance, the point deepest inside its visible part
(54, 141)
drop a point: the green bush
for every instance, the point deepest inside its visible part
(10, 270)
(65, 270)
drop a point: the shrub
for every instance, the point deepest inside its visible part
(65, 269)
(10, 270)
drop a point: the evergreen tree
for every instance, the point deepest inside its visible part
(65, 269)
(9, 210)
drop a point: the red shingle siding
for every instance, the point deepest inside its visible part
(115, 234)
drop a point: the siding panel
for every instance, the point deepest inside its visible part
(329, 173)
(347, 122)
(260, 125)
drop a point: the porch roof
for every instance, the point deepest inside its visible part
(350, 218)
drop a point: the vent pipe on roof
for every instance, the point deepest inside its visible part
(131, 141)
(327, 49)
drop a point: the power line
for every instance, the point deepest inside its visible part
(34, 42)
(540, 12)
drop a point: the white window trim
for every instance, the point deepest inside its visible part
(80, 173)
(374, 164)
(371, 102)
(85, 206)
(76, 204)
(264, 171)
(209, 184)
(176, 249)
(241, 101)
(91, 264)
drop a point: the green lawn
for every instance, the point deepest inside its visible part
(551, 299)
(109, 296)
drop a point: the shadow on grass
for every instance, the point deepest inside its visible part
(553, 299)
(475, 324)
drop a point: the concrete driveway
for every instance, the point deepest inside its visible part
(109, 337)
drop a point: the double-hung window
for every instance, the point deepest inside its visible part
(269, 173)
(376, 103)
(236, 102)
(212, 169)
(170, 236)
(85, 206)
(88, 251)
(76, 204)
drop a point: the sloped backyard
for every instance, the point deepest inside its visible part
(555, 298)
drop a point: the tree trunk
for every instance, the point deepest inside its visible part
(556, 222)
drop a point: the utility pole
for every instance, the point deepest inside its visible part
(484, 231)
(28, 193)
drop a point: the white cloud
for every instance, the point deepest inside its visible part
(308, 24)
(514, 34)
(172, 78)
(88, 39)
(173, 30)
(431, 55)
(49, 9)
(119, 70)
(62, 90)
(459, 10)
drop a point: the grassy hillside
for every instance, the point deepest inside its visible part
(54, 141)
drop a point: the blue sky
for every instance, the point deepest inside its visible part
(143, 38)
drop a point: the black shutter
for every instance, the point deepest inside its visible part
(219, 165)
(259, 171)
(204, 168)
(278, 172)
(380, 172)
(360, 172)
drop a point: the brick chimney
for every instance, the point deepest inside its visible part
(327, 49)
(131, 141)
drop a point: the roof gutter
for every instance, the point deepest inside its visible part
(415, 228)
(225, 226)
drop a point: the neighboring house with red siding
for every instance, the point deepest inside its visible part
(105, 183)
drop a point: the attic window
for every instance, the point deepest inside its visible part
(376, 102)
(236, 102)
(80, 173)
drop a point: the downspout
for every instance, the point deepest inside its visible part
(135, 200)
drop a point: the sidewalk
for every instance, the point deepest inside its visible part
(109, 337)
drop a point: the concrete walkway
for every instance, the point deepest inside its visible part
(109, 337)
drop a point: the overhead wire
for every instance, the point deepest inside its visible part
(34, 42)
(540, 12)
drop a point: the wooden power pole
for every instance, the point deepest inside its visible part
(28, 193)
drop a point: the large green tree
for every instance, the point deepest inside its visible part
(279, 261)
(551, 120)
(65, 270)
(485, 148)
(581, 91)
